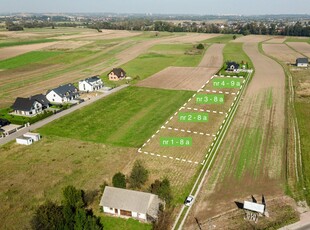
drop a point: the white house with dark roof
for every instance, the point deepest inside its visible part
(130, 204)
(27, 106)
(63, 94)
(302, 62)
(90, 84)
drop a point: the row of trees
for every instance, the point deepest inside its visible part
(298, 29)
(70, 214)
(142, 24)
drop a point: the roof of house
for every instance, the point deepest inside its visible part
(23, 104)
(254, 207)
(302, 60)
(118, 72)
(129, 200)
(41, 98)
(236, 65)
(92, 79)
(65, 90)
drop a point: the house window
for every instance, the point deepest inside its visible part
(54, 95)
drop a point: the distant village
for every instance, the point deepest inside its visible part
(289, 25)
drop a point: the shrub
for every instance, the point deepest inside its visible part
(119, 180)
(200, 46)
(139, 175)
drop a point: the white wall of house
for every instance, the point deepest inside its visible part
(24, 141)
(85, 86)
(302, 65)
(136, 215)
(108, 210)
(36, 109)
(34, 136)
(142, 216)
(54, 97)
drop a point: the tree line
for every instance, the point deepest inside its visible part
(143, 24)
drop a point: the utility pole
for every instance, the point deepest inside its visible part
(198, 223)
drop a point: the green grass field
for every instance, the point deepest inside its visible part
(235, 52)
(111, 223)
(29, 42)
(294, 39)
(159, 57)
(126, 118)
(28, 58)
(221, 39)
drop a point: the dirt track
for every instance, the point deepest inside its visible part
(281, 52)
(188, 78)
(251, 159)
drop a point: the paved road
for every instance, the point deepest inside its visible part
(58, 115)
(303, 224)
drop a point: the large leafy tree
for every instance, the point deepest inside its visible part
(139, 175)
(119, 180)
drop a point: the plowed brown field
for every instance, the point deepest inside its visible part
(187, 78)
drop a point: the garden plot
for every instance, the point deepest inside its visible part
(186, 135)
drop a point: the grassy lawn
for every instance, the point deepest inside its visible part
(221, 39)
(30, 175)
(235, 52)
(126, 118)
(294, 39)
(111, 223)
(28, 58)
(302, 111)
(158, 58)
(19, 120)
(18, 43)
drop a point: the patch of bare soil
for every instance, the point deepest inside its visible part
(252, 38)
(179, 78)
(277, 40)
(281, 52)
(188, 78)
(301, 47)
(67, 45)
(9, 52)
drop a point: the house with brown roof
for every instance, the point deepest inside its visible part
(117, 74)
(130, 204)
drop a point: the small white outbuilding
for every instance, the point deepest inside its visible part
(24, 140)
(28, 138)
(34, 136)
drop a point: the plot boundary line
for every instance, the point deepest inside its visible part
(188, 131)
(189, 108)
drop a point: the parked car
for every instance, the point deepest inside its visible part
(189, 200)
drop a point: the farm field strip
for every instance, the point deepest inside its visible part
(201, 138)
(211, 154)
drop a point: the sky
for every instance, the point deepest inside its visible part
(205, 7)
